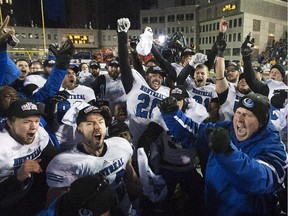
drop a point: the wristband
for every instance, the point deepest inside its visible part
(220, 78)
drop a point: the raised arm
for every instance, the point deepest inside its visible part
(127, 79)
(198, 58)
(255, 85)
(54, 81)
(164, 64)
(136, 60)
(8, 70)
(221, 82)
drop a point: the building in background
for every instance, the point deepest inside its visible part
(199, 21)
(92, 23)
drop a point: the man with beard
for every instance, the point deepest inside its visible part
(233, 72)
(110, 157)
(24, 154)
(143, 94)
(108, 87)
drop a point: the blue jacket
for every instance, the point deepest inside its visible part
(51, 210)
(245, 180)
(8, 70)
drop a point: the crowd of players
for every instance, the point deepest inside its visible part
(60, 123)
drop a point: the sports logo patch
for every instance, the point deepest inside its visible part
(29, 106)
(247, 102)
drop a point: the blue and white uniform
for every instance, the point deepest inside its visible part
(66, 134)
(202, 95)
(141, 101)
(12, 156)
(66, 167)
(227, 109)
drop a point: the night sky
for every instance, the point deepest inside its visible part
(56, 12)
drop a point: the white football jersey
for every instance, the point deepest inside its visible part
(227, 109)
(202, 95)
(141, 101)
(68, 166)
(13, 154)
(66, 134)
(114, 91)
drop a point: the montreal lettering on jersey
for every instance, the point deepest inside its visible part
(151, 92)
(203, 93)
(113, 167)
(34, 154)
(76, 97)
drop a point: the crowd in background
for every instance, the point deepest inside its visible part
(166, 136)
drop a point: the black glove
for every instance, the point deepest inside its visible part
(221, 44)
(63, 55)
(279, 98)
(219, 140)
(133, 42)
(168, 105)
(247, 46)
(60, 96)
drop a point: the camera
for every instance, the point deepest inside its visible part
(134, 41)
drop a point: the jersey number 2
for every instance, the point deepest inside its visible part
(142, 109)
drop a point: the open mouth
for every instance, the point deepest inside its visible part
(30, 135)
(241, 130)
(97, 136)
(156, 83)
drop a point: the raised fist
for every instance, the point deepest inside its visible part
(63, 54)
(218, 139)
(247, 46)
(220, 44)
(168, 105)
(123, 25)
(198, 58)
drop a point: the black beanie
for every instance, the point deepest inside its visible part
(258, 104)
(280, 68)
(88, 194)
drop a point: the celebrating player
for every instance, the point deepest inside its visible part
(111, 157)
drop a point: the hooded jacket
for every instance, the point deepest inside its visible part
(244, 181)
